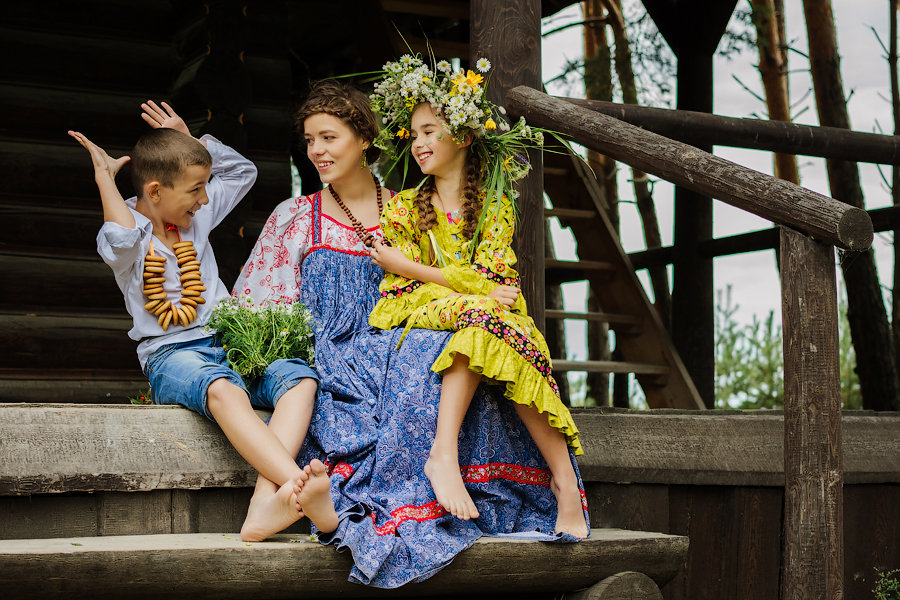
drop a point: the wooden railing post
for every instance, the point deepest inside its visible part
(813, 500)
(508, 33)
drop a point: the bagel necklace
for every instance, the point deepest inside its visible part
(367, 237)
(191, 284)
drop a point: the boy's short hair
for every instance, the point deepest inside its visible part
(347, 103)
(162, 155)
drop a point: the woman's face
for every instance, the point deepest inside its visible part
(433, 148)
(333, 147)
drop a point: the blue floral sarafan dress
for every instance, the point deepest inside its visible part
(376, 412)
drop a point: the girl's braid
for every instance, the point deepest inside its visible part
(427, 215)
(471, 208)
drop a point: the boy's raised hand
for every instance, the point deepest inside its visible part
(103, 163)
(163, 116)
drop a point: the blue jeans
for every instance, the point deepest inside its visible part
(182, 373)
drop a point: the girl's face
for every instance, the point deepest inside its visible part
(333, 147)
(433, 147)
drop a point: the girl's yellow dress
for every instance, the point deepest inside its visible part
(502, 343)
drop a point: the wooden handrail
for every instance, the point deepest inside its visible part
(701, 128)
(824, 218)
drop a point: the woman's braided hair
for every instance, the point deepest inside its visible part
(345, 102)
(471, 208)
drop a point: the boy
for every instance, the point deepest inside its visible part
(185, 188)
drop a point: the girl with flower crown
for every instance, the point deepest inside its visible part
(450, 267)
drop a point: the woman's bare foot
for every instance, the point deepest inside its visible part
(269, 515)
(569, 512)
(315, 497)
(442, 470)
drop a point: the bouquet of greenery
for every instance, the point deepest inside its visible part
(254, 335)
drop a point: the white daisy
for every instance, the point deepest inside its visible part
(483, 65)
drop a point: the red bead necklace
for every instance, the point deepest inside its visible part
(367, 237)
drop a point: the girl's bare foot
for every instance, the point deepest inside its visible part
(269, 515)
(442, 470)
(569, 512)
(315, 497)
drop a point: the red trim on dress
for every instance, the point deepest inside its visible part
(336, 222)
(470, 474)
(327, 247)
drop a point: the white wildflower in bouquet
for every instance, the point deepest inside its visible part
(254, 335)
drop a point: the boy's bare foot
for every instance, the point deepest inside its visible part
(269, 515)
(569, 512)
(315, 497)
(442, 471)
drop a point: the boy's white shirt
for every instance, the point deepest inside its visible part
(123, 249)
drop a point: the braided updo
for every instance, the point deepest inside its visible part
(345, 102)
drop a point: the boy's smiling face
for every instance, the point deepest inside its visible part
(178, 203)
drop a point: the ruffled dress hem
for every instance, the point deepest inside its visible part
(524, 384)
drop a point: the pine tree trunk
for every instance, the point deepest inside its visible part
(598, 86)
(895, 178)
(869, 328)
(659, 277)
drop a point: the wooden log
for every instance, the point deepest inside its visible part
(218, 565)
(785, 203)
(699, 128)
(629, 585)
(813, 503)
(56, 448)
(509, 33)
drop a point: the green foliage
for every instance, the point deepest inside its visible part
(888, 585)
(750, 361)
(255, 335)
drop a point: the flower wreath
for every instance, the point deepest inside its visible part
(458, 98)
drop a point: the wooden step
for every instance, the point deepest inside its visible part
(63, 280)
(81, 386)
(289, 566)
(24, 164)
(569, 213)
(655, 375)
(44, 112)
(114, 18)
(621, 323)
(48, 224)
(562, 271)
(98, 63)
(66, 340)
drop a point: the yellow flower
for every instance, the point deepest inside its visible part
(472, 78)
(489, 124)
(403, 133)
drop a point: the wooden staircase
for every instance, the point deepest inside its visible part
(644, 344)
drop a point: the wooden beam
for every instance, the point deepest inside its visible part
(446, 9)
(205, 565)
(699, 128)
(813, 500)
(508, 32)
(56, 448)
(825, 218)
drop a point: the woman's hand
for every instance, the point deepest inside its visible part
(390, 259)
(505, 294)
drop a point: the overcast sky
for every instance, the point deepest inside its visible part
(753, 276)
